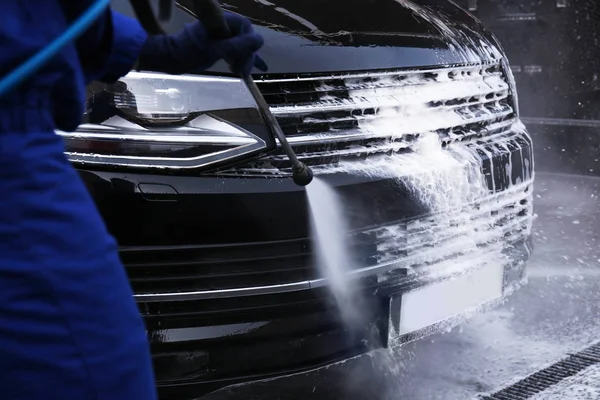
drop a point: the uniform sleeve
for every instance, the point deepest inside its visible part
(109, 49)
(128, 38)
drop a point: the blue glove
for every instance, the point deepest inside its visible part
(191, 50)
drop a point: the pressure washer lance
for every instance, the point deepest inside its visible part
(210, 14)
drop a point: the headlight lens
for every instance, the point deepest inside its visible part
(168, 121)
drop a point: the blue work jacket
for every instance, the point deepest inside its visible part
(69, 327)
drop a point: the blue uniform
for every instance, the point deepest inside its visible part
(69, 327)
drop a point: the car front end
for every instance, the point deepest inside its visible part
(215, 236)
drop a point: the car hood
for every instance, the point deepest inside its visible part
(319, 36)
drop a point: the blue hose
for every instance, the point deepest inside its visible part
(31, 66)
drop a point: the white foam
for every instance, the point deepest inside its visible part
(469, 224)
(473, 50)
(461, 233)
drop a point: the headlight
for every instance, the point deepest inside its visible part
(168, 121)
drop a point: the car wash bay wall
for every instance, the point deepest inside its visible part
(553, 47)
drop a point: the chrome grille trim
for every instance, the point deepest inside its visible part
(348, 117)
(450, 71)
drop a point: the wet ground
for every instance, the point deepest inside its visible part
(558, 312)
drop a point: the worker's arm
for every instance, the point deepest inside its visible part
(112, 47)
(127, 40)
(109, 49)
(193, 50)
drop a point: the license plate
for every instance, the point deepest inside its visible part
(440, 301)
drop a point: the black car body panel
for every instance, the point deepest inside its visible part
(221, 260)
(305, 37)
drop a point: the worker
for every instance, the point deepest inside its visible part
(69, 325)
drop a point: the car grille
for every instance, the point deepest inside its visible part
(333, 119)
(210, 271)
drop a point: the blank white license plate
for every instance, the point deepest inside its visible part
(437, 302)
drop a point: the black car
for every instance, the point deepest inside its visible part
(214, 234)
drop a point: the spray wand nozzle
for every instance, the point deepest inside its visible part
(301, 174)
(210, 14)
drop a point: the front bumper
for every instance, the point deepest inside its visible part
(275, 335)
(201, 344)
(219, 313)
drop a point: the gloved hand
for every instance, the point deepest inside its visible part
(191, 50)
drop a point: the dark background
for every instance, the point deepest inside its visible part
(554, 50)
